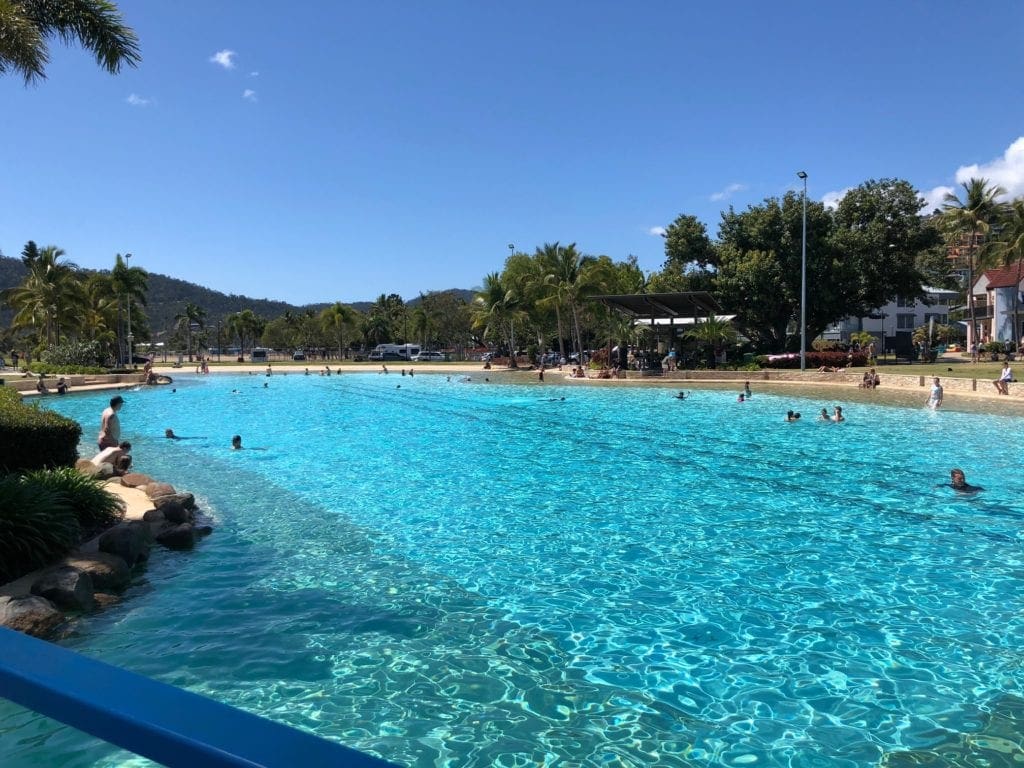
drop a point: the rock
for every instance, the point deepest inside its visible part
(129, 541)
(154, 516)
(175, 512)
(66, 587)
(177, 537)
(203, 530)
(105, 600)
(187, 500)
(153, 490)
(135, 479)
(108, 572)
(29, 614)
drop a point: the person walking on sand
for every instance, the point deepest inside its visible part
(1002, 384)
(935, 400)
(110, 425)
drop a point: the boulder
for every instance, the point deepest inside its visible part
(29, 614)
(203, 530)
(129, 541)
(154, 490)
(174, 512)
(187, 500)
(66, 587)
(177, 537)
(154, 516)
(108, 572)
(135, 479)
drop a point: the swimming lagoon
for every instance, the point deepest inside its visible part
(469, 573)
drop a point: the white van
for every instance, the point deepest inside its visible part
(259, 355)
(395, 351)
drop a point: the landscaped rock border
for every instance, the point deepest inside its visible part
(93, 577)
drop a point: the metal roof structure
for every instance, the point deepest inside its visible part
(692, 304)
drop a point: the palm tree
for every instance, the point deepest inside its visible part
(573, 277)
(1009, 249)
(27, 25)
(973, 216)
(190, 317)
(712, 333)
(246, 325)
(50, 291)
(130, 284)
(497, 310)
(338, 318)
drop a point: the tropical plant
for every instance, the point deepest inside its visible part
(37, 526)
(27, 25)
(95, 507)
(496, 312)
(972, 217)
(74, 353)
(190, 318)
(52, 289)
(712, 333)
(337, 319)
(1008, 248)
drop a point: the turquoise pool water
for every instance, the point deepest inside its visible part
(451, 573)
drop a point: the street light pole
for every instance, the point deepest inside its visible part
(131, 347)
(803, 281)
(512, 322)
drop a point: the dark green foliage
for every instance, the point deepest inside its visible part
(49, 368)
(74, 354)
(37, 526)
(815, 360)
(95, 506)
(32, 438)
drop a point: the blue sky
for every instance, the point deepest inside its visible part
(342, 150)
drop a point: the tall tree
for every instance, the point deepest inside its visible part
(497, 310)
(26, 26)
(192, 317)
(689, 254)
(337, 319)
(51, 290)
(972, 217)
(1008, 248)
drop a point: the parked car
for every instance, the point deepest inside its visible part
(298, 354)
(423, 357)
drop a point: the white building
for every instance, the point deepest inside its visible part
(994, 306)
(893, 324)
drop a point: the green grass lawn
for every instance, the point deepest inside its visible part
(951, 368)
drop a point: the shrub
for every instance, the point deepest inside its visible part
(95, 507)
(32, 438)
(37, 526)
(48, 369)
(817, 359)
(74, 353)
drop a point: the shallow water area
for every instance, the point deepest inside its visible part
(451, 572)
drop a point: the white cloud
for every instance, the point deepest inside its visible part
(934, 198)
(728, 192)
(138, 101)
(1006, 171)
(831, 199)
(656, 231)
(254, 74)
(249, 94)
(225, 58)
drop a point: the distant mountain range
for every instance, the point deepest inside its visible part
(167, 297)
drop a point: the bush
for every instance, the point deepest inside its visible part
(31, 438)
(74, 354)
(95, 507)
(48, 369)
(817, 359)
(37, 526)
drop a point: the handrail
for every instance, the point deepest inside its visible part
(169, 725)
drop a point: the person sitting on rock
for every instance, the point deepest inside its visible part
(117, 457)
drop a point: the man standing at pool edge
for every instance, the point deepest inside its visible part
(110, 425)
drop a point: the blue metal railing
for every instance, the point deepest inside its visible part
(166, 724)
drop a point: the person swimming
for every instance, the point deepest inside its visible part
(958, 482)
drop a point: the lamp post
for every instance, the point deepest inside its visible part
(512, 322)
(803, 281)
(131, 348)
